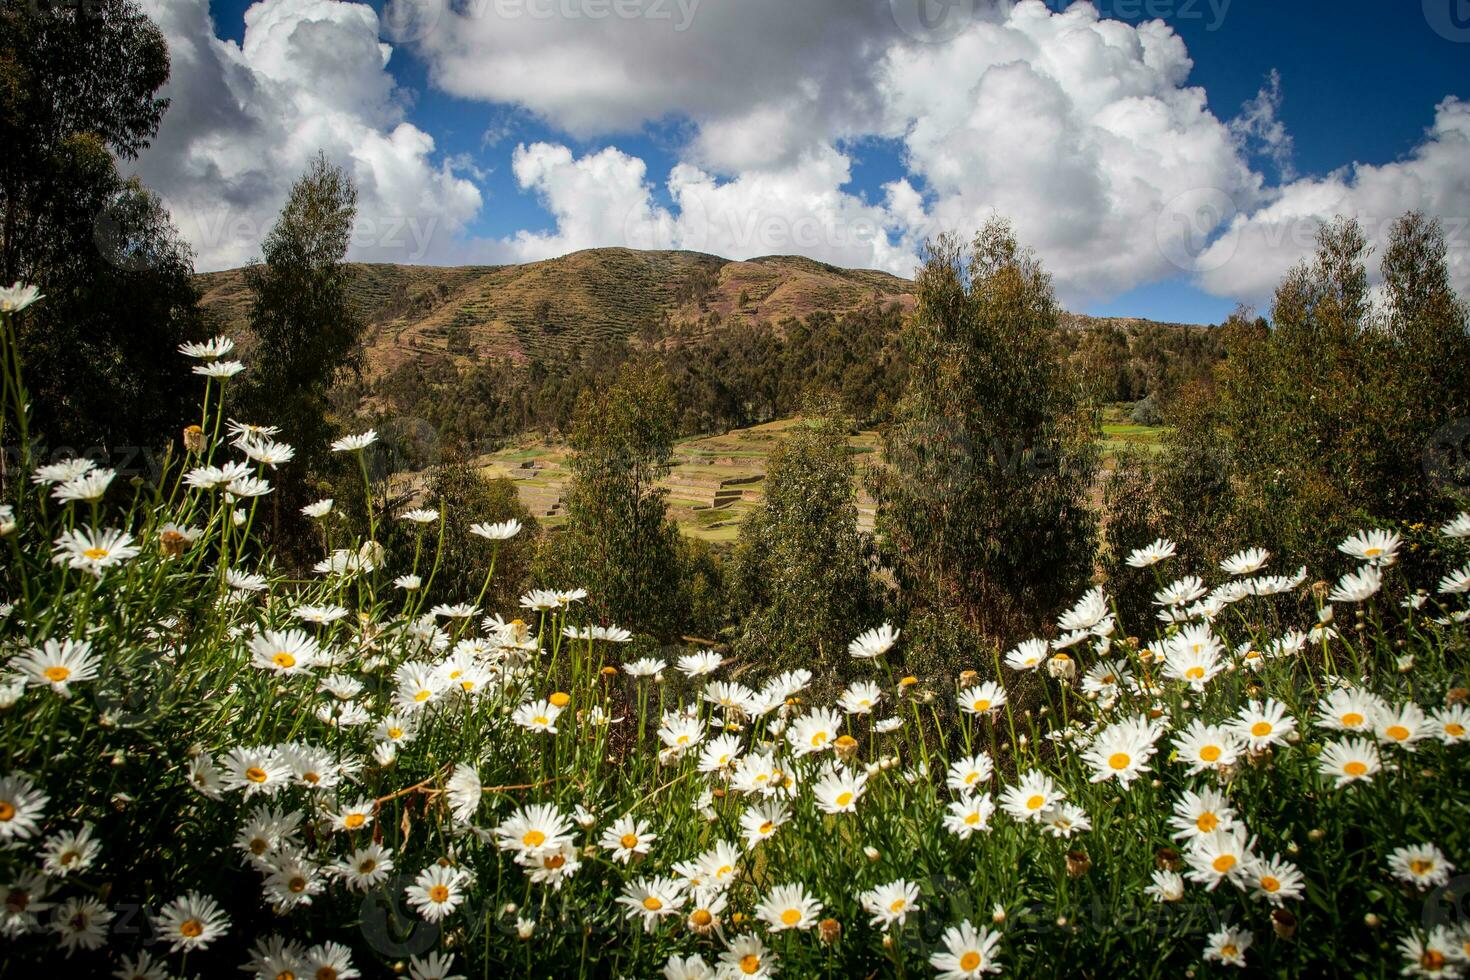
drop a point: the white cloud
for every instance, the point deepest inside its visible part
(246, 119)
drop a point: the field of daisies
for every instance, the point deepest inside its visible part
(210, 767)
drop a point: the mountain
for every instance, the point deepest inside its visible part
(553, 308)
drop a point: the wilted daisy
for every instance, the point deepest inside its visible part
(1122, 750)
(58, 664)
(190, 922)
(355, 443)
(1374, 547)
(94, 551)
(1357, 586)
(1227, 945)
(22, 805)
(874, 643)
(839, 792)
(1029, 655)
(1031, 796)
(1167, 886)
(502, 531)
(627, 838)
(464, 792)
(1349, 760)
(982, 698)
(1246, 562)
(652, 899)
(1152, 554)
(968, 952)
(1421, 865)
(1262, 724)
(438, 890)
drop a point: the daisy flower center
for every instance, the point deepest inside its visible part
(7, 811)
(1119, 760)
(95, 554)
(57, 674)
(1397, 732)
(749, 963)
(395, 733)
(423, 695)
(898, 905)
(297, 884)
(1355, 768)
(982, 704)
(1421, 867)
(844, 799)
(541, 720)
(554, 862)
(629, 841)
(820, 738)
(766, 828)
(1270, 884)
(1351, 720)
(1223, 863)
(284, 660)
(256, 774)
(791, 917)
(439, 893)
(367, 867)
(1432, 959)
(1035, 802)
(701, 917)
(972, 818)
(1261, 729)
(970, 960)
(1210, 753)
(1229, 949)
(1195, 673)
(652, 903)
(1454, 730)
(1207, 822)
(970, 777)
(191, 928)
(353, 820)
(533, 838)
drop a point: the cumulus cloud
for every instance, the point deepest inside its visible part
(1256, 247)
(246, 119)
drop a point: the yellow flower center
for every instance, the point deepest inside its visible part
(256, 774)
(1261, 729)
(191, 928)
(843, 799)
(1351, 720)
(1454, 730)
(652, 903)
(749, 963)
(533, 838)
(1421, 867)
(629, 841)
(970, 778)
(972, 818)
(95, 554)
(1432, 959)
(439, 893)
(57, 674)
(1396, 732)
(367, 867)
(1228, 950)
(898, 905)
(1035, 802)
(1210, 753)
(561, 699)
(353, 820)
(326, 973)
(7, 811)
(1223, 863)
(1372, 552)
(297, 885)
(541, 720)
(1356, 768)
(701, 917)
(820, 738)
(1270, 884)
(283, 660)
(982, 704)
(970, 960)
(1119, 760)
(395, 733)
(1195, 673)
(1207, 822)
(766, 828)
(423, 695)
(790, 917)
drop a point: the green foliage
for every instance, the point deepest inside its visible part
(984, 496)
(801, 575)
(306, 333)
(618, 532)
(1323, 422)
(78, 90)
(465, 496)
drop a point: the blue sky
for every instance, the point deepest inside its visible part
(1358, 84)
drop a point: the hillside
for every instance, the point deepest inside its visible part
(550, 309)
(555, 308)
